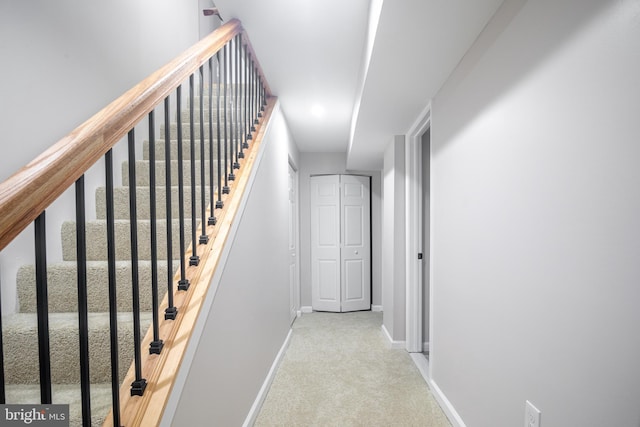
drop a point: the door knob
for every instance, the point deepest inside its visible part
(356, 252)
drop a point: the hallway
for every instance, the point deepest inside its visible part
(339, 370)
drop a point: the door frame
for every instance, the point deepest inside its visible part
(413, 230)
(296, 227)
(369, 230)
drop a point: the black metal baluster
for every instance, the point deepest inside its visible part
(113, 304)
(225, 189)
(42, 308)
(245, 128)
(83, 310)
(212, 217)
(232, 119)
(171, 311)
(203, 204)
(257, 112)
(263, 97)
(219, 203)
(155, 347)
(238, 142)
(240, 99)
(139, 384)
(243, 95)
(194, 259)
(250, 115)
(255, 98)
(249, 98)
(183, 284)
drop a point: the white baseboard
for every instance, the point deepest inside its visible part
(394, 344)
(447, 407)
(262, 394)
(376, 308)
(423, 366)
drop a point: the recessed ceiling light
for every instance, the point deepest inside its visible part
(317, 110)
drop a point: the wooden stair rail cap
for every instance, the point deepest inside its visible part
(28, 192)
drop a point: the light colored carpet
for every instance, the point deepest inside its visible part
(340, 371)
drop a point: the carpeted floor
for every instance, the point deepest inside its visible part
(340, 371)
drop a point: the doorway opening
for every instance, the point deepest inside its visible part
(419, 224)
(426, 235)
(340, 243)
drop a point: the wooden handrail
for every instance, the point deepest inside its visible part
(32, 189)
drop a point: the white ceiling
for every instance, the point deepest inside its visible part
(312, 53)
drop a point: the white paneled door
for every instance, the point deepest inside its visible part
(340, 243)
(355, 254)
(325, 243)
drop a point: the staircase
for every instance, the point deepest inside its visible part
(20, 329)
(224, 57)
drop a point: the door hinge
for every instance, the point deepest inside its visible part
(420, 255)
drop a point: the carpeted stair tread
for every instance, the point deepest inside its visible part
(208, 115)
(196, 111)
(186, 129)
(205, 88)
(186, 149)
(20, 335)
(96, 232)
(143, 207)
(143, 167)
(62, 287)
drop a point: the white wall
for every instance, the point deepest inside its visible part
(327, 164)
(66, 60)
(393, 241)
(537, 219)
(62, 62)
(248, 319)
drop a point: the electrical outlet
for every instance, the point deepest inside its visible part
(531, 415)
